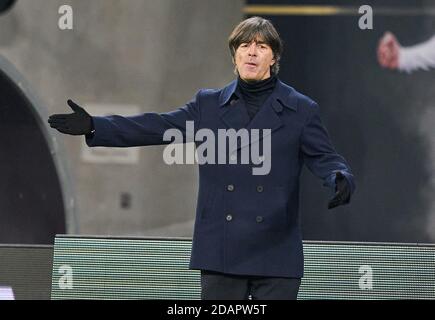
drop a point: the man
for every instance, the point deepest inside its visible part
(247, 240)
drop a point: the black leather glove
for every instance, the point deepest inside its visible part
(342, 191)
(77, 123)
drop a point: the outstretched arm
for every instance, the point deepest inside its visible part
(393, 56)
(119, 131)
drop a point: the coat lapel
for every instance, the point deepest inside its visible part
(234, 114)
(267, 118)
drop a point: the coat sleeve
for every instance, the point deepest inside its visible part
(143, 129)
(319, 154)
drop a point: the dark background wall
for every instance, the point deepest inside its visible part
(376, 119)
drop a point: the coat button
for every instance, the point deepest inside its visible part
(260, 188)
(259, 219)
(229, 217)
(230, 187)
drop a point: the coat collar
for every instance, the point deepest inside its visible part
(283, 94)
(234, 114)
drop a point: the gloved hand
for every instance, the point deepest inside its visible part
(77, 123)
(342, 191)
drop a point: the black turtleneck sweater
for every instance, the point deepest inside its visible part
(255, 93)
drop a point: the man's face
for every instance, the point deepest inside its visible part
(253, 60)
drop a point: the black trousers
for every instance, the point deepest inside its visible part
(220, 286)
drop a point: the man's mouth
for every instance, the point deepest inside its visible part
(251, 64)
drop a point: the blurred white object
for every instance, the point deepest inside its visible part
(6, 293)
(418, 57)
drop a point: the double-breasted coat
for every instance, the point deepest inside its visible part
(246, 224)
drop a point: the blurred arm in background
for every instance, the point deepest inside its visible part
(393, 56)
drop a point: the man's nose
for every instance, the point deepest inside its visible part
(252, 49)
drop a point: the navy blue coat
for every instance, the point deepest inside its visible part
(245, 224)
